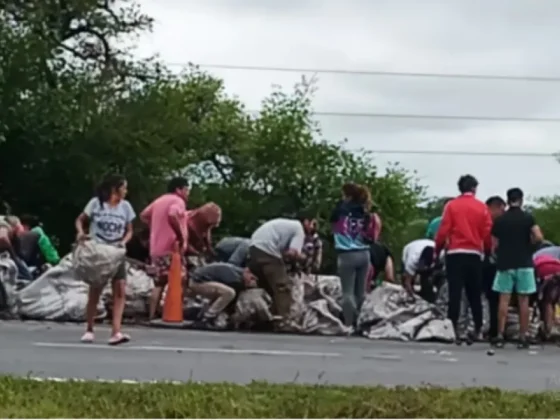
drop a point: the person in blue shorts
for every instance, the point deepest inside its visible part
(513, 236)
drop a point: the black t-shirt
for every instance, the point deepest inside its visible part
(379, 254)
(136, 250)
(513, 231)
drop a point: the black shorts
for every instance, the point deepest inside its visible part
(121, 272)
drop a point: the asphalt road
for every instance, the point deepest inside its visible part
(54, 351)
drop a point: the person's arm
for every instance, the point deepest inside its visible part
(494, 236)
(536, 233)
(389, 270)
(176, 216)
(296, 244)
(83, 217)
(208, 242)
(130, 216)
(378, 224)
(444, 228)
(239, 256)
(146, 214)
(486, 231)
(47, 248)
(318, 260)
(409, 271)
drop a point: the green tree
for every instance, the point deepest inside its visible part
(547, 215)
(81, 108)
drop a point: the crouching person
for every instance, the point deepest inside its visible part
(220, 283)
(418, 260)
(547, 271)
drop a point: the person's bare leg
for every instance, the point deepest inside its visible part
(548, 318)
(503, 309)
(91, 308)
(119, 300)
(523, 302)
(155, 298)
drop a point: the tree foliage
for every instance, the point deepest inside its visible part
(75, 105)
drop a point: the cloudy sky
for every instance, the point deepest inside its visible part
(497, 37)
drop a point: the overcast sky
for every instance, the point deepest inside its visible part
(501, 37)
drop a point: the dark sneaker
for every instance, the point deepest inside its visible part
(499, 342)
(472, 337)
(523, 344)
(206, 323)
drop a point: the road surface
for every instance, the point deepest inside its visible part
(49, 350)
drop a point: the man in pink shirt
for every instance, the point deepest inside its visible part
(166, 217)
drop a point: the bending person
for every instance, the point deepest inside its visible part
(547, 270)
(381, 261)
(418, 261)
(271, 244)
(233, 250)
(48, 250)
(200, 223)
(220, 283)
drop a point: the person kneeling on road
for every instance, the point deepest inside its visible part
(547, 271)
(219, 282)
(418, 260)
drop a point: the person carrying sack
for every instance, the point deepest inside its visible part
(110, 219)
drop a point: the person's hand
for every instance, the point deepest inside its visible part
(81, 236)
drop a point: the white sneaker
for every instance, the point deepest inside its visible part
(88, 337)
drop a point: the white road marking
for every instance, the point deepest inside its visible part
(105, 381)
(382, 357)
(249, 352)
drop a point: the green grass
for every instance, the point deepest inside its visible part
(32, 399)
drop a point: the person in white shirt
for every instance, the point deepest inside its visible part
(271, 244)
(417, 260)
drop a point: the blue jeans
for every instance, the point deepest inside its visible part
(23, 270)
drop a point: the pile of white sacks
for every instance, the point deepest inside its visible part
(386, 313)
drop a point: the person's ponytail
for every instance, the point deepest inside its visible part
(103, 192)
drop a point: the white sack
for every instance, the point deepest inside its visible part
(95, 263)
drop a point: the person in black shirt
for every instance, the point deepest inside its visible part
(513, 235)
(381, 260)
(138, 248)
(496, 206)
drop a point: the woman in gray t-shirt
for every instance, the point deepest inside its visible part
(110, 219)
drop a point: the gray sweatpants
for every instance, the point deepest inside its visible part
(353, 267)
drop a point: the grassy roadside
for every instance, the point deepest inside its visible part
(25, 398)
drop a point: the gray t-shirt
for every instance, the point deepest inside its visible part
(108, 224)
(233, 250)
(278, 235)
(224, 273)
(552, 251)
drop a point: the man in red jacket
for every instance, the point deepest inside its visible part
(464, 233)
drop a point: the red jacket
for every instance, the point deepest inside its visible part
(465, 226)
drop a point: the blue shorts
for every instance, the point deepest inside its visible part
(522, 280)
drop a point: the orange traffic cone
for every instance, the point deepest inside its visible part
(173, 305)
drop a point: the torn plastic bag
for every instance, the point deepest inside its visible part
(389, 313)
(8, 287)
(57, 296)
(252, 308)
(95, 263)
(138, 290)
